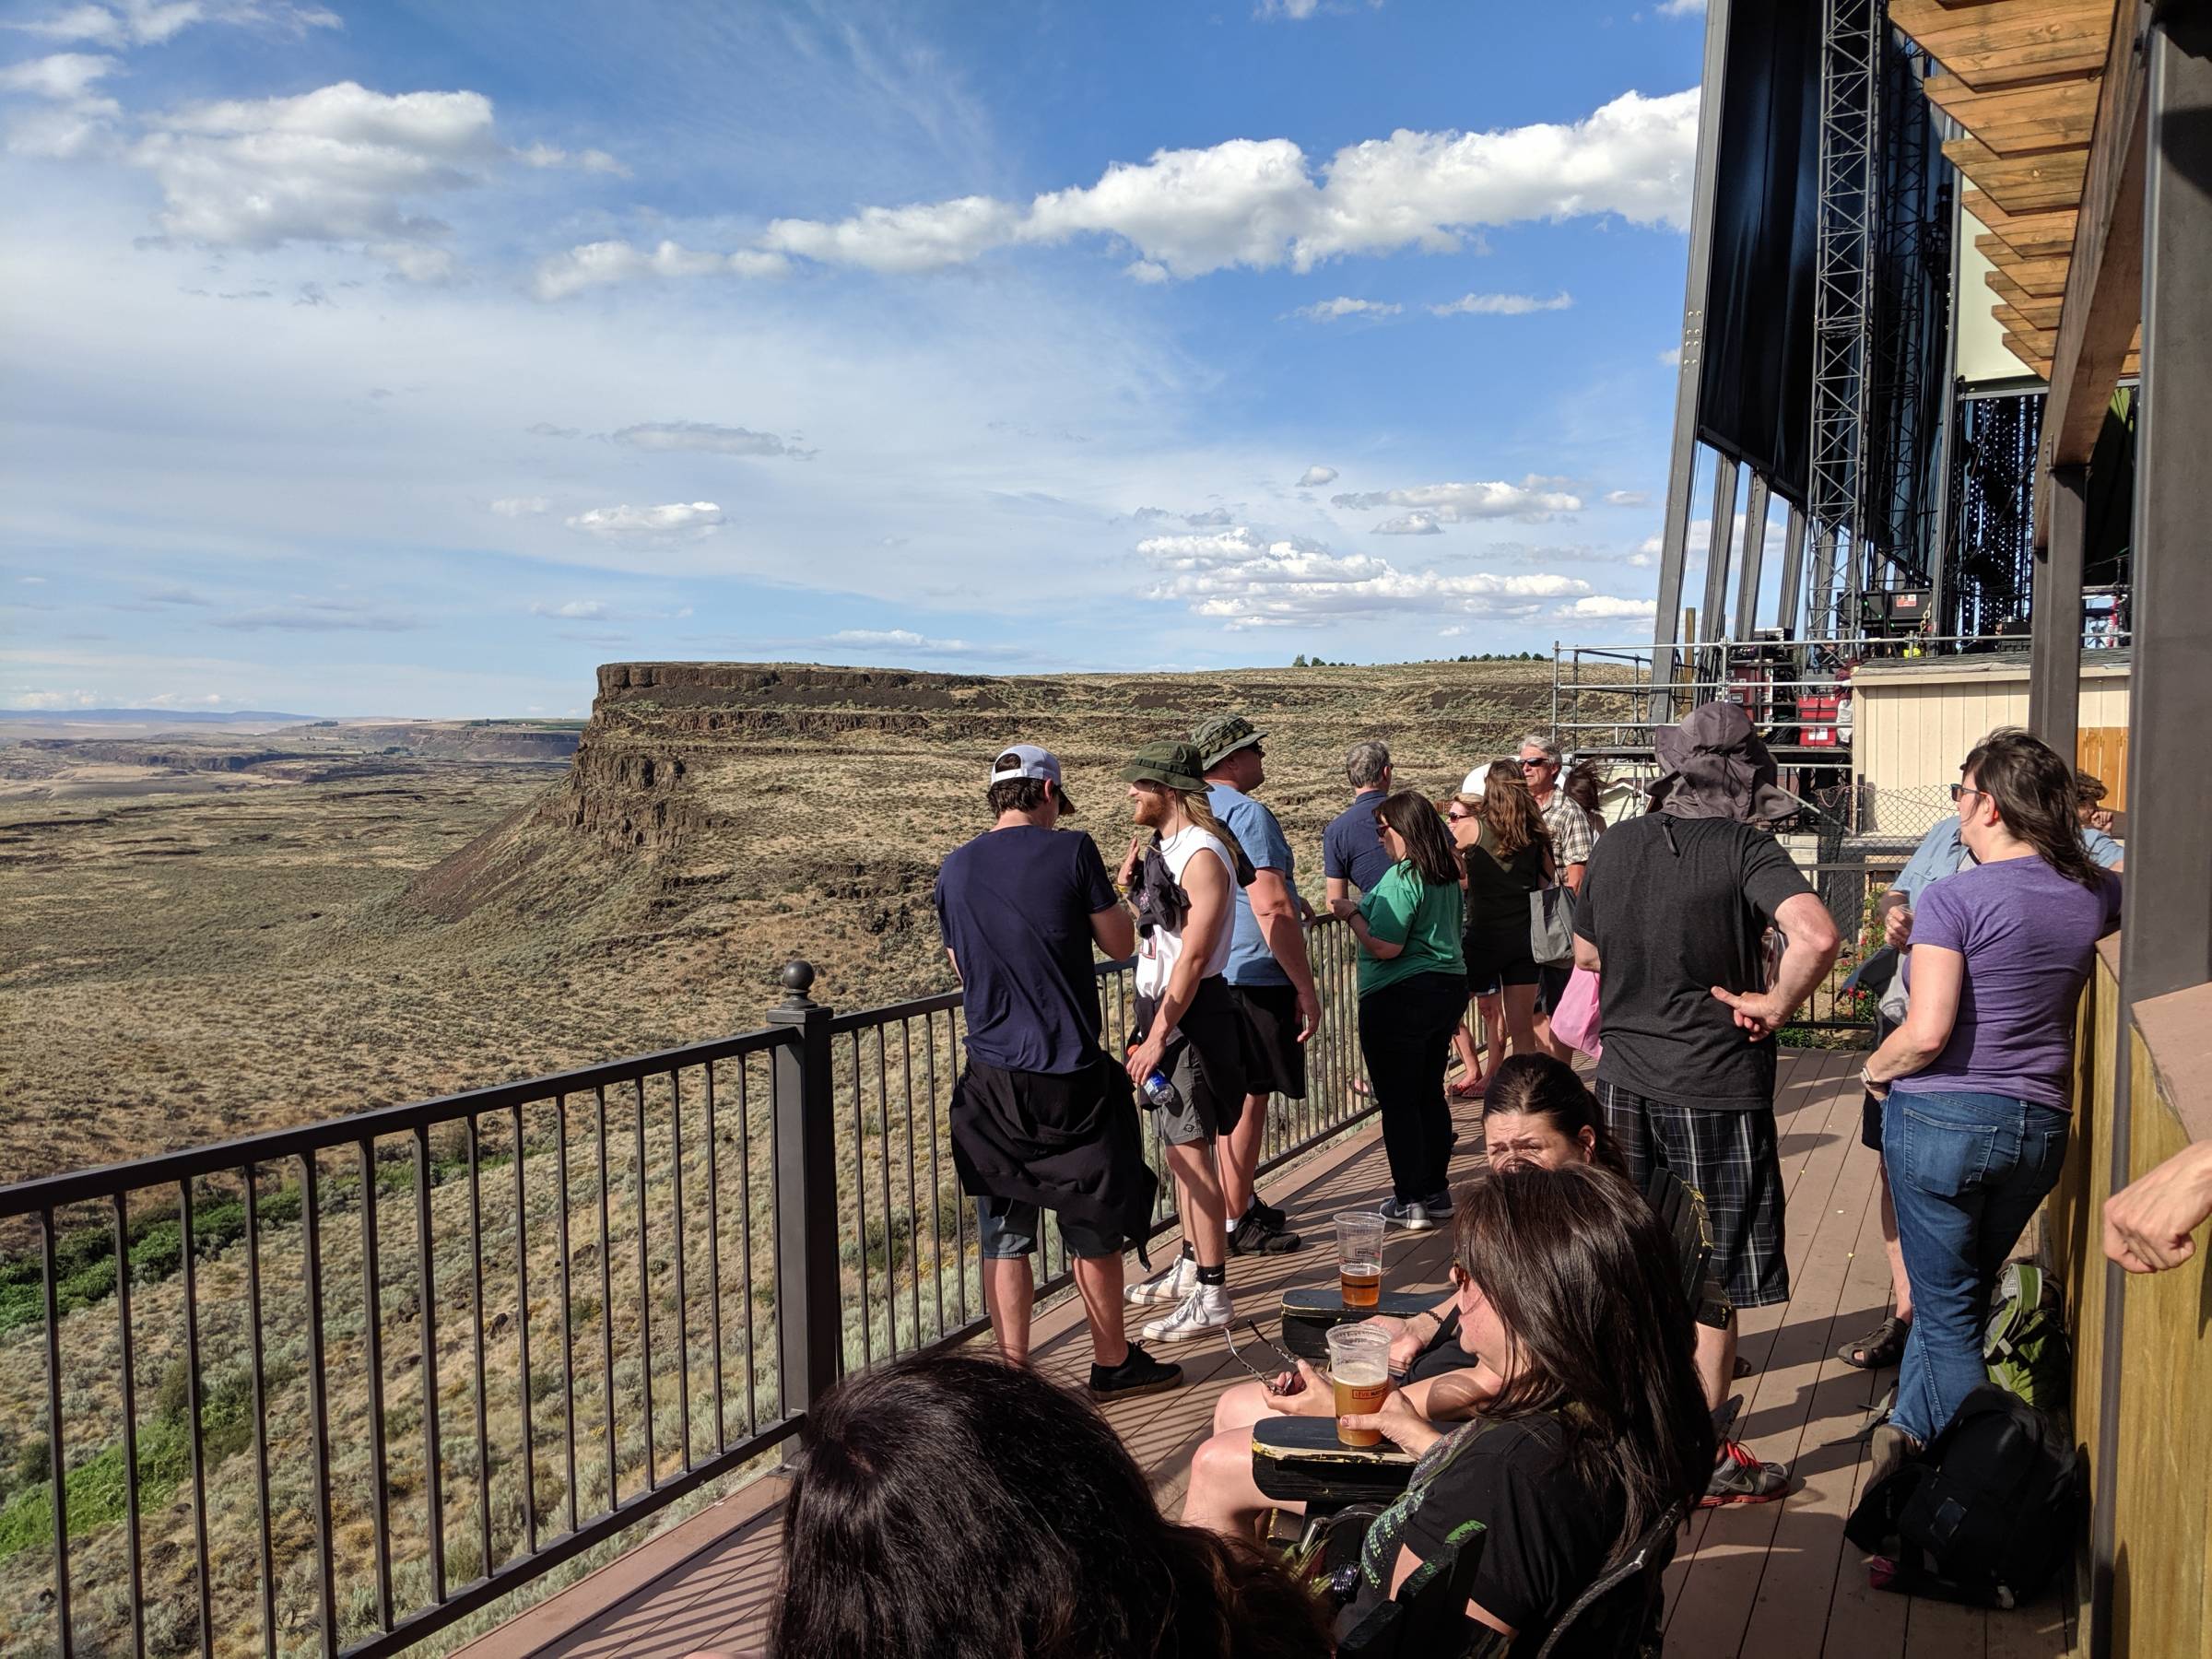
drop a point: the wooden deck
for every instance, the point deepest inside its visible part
(1764, 1579)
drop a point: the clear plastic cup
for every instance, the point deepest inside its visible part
(1359, 1373)
(1360, 1259)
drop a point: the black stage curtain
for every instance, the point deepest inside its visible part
(1756, 388)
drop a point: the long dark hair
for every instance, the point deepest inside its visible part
(957, 1508)
(1510, 812)
(1538, 1086)
(1427, 842)
(1582, 1275)
(2033, 791)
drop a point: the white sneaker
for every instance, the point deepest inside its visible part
(1172, 1283)
(1204, 1311)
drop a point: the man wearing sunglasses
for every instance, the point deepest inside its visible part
(1268, 972)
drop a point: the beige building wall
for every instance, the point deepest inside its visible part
(1912, 724)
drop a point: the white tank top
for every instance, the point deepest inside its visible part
(1159, 951)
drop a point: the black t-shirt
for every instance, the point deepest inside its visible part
(1016, 906)
(1498, 889)
(1676, 906)
(1546, 1533)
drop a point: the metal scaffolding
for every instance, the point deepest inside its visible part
(1851, 41)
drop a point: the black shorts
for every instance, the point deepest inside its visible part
(1553, 985)
(1732, 1161)
(1205, 1063)
(1494, 961)
(1275, 1060)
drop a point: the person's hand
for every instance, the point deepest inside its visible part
(1127, 873)
(1399, 1422)
(1308, 1012)
(2148, 1223)
(1304, 1393)
(1343, 910)
(1144, 1058)
(1759, 1013)
(1305, 911)
(1405, 1347)
(2102, 819)
(1897, 928)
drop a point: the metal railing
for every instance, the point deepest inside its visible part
(332, 1389)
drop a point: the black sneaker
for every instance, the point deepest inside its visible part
(1261, 1232)
(1413, 1217)
(1138, 1375)
(1272, 1217)
(1438, 1207)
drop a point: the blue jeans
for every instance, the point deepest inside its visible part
(1966, 1172)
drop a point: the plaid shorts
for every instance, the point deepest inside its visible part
(1729, 1160)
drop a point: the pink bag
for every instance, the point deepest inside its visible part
(1574, 1021)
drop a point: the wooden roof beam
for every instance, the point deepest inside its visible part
(2024, 184)
(2030, 235)
(2104, 277)
(2041, 314)
(2045, 278)
(2021, 120)
(2004, 41)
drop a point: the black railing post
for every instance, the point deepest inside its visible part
(809, 1305)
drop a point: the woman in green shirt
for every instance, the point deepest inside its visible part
(1413, 987)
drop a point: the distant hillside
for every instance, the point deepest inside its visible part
(757, 811)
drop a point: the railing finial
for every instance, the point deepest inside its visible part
(798, 979)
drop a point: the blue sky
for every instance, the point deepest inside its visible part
(415, 359)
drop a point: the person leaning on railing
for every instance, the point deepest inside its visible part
(954, 1508)
(1975, 1083)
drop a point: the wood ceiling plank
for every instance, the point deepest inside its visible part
(2039, 365)
(2039, 313)
(2030, 235)
(2008, 42)
(2022, 184)
(2045, 278)
(2021, 120)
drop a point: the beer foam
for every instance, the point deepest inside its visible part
(1360, 1375)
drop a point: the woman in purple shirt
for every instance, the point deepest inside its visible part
(1978, 1079)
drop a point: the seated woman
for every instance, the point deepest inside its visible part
(1567, 1295)
(957, 1508)
(1535, 1110)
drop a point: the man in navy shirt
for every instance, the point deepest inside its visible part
(1042, 1117)
(1351, 853)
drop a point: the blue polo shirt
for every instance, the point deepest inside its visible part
(1350, 850)
(1249, 961)
(1942, 853)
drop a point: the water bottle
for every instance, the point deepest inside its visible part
(1161, 1093)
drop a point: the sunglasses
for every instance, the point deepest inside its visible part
(1960, 790)
(1457, 818)
(1284, 1366)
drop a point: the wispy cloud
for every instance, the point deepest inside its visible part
(1500, 305)
(324, 615)
(697, 518)
(1313, 477)
(1330, 310)
(665, 435)
(1531, 501)
(521, 506)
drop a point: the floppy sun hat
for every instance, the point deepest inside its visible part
(1170, 764)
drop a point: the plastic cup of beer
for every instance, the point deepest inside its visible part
(1360, 1259)
(1359, 1371)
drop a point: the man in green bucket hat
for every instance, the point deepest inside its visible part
(1188, 1053)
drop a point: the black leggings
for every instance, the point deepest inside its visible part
(1404, 1032)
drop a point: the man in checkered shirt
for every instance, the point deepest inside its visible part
(1572, 840)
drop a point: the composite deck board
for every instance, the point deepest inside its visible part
(1761, 1578)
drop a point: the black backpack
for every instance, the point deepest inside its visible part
(1985, 1515)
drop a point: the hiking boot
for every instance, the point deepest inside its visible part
(1413, 1217)
(1201, 1312)
(1138, 1375)
(1170, 1284)
(1261, 1232)
(1739, 1478)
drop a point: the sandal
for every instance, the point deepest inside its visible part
(1467, 1090)
(1883, 1346)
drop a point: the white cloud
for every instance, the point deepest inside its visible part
(1500, 305)
(1243, 581)
(1413, 524)
(920, 238)
(1257, 203)
(339, 164)
(1681, 8)
(1532, 500)
(666, 435)
(65, 76)
(1604, 607)
(595, 265)
(1628, 497)
(151, 22)
(599, 610)
(1314, 477)
(1328, 310)
(24, 697)
(1672, 357)
(1298, 11)
(521, 506)
(903, 637)
(699, 518)
(590, 160)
